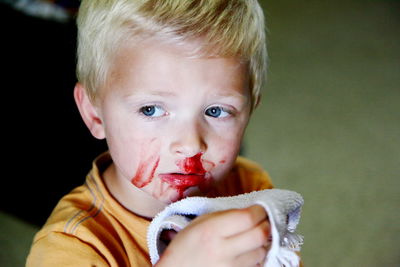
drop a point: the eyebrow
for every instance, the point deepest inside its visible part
(231, 95)
(151, 93)
(226, 95)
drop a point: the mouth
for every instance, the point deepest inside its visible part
(183, 180)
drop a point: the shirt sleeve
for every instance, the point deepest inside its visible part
(252, 176)
(60, 249)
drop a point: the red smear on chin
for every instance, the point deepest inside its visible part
(181, 182)
(145, 173)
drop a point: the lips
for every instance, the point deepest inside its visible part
(191, 173)
(182, 181)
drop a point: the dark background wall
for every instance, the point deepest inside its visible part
(46, 148)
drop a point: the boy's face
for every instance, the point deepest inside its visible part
(173, 124)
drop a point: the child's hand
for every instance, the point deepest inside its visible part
(239, 237)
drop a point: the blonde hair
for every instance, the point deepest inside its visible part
(226, 28)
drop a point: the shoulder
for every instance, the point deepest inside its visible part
(90, 224)
(61, 249)
(57, 243)
(70, 212)
(246, 176)
(247, 164)
(249, 169)
(77, 233)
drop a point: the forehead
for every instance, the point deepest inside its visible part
(164, 67)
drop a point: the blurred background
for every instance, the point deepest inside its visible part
(328, 126)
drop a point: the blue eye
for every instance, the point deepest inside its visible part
(152, 111)
(216, 112)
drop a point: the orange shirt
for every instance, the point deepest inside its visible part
(88, 227)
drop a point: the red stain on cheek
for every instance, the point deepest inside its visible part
(147, 165)
(222, 161)
(145, 173)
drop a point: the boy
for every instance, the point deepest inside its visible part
(171, 85)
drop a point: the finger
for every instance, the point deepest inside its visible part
(236, 221)
(252, 258)
(256, 237)
(248, 218)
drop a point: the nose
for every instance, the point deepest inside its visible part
(188, 140)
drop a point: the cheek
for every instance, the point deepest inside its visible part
(224, 154)
(136, 158)
(226, 142)
(227, 149)
(125, 154)
(134, 148)
(145, 171)
(147, 163)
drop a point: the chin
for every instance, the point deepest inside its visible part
(170, 198)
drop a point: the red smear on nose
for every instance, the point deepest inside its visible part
(192, 165)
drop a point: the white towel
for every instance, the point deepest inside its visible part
(282, 206)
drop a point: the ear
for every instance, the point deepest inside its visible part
(88, 112)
